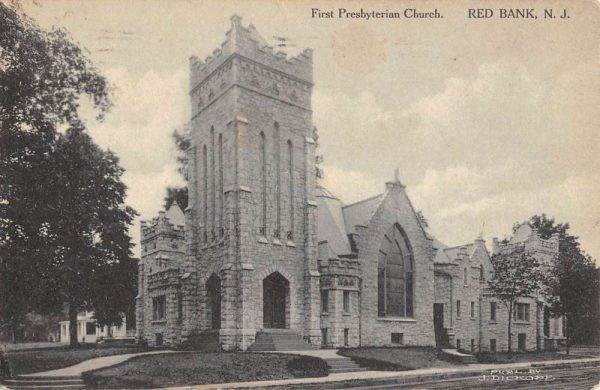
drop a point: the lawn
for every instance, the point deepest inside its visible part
(196, 368)
(29, 361)
(396, 359)
(518, 357)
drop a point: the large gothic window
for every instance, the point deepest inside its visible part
(395, 275)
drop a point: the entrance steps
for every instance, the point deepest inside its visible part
(279, 340)
(342, 364)
(45, 383)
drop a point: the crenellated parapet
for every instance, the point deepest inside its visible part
(160, 225)
(245, 59)
(340, 273)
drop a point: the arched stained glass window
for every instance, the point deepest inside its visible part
(395, 275)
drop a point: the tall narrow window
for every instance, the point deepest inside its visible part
(325, 301)
(205, 178)
(276, 158)
(221, 205)
(346, 301)
(290, 234)
(213, 185)
(492, 311)
(465, 276)
(263, 184)
(395, 275)
(458, 308)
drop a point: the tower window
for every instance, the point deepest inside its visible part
(205, 166)
(290, 234)
(276, 157)
(263, 184)
(346, 301)
(221, 206)
(213, 181)
(325, 301)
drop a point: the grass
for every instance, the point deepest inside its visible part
(396, 359)
(196, 368)
(518, 357)
(29, 361)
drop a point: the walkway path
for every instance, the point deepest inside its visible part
(379, 375)
(91, 364)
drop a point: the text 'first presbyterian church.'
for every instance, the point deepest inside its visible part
(265, 259)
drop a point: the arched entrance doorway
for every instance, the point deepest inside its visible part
(275, 296)
(213, 293)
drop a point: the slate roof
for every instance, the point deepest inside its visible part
(360, 213)
(331, 226)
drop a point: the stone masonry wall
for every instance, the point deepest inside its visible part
(238, 93)
(396, 208)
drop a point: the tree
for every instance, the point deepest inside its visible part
(516, 275)
(88, 228)
(63, 223)
(182, 139)
(177, 195)
(572, 284)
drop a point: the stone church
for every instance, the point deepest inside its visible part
(263, 258)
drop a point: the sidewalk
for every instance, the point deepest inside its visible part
(91, 364)
(379, 375)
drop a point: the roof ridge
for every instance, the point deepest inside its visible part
(363, 200)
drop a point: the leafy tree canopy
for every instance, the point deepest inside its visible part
(63, 222)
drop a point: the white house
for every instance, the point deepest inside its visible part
(89, 332)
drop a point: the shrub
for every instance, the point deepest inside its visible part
(308, 366)
(4, 369)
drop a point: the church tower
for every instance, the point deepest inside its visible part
(251, 221)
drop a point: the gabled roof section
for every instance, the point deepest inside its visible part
(175, 215)
(453, 252)
(360, 213)
(331, 226)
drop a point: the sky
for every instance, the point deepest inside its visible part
(489, 121)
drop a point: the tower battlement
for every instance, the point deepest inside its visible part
(160, 225)
(246, 42)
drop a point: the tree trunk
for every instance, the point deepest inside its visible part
(567, 335)
(73, 325)
(510, 310)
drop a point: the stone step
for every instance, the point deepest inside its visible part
(341, 370)
(343, 364)
(279, 340)
(44, 383)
